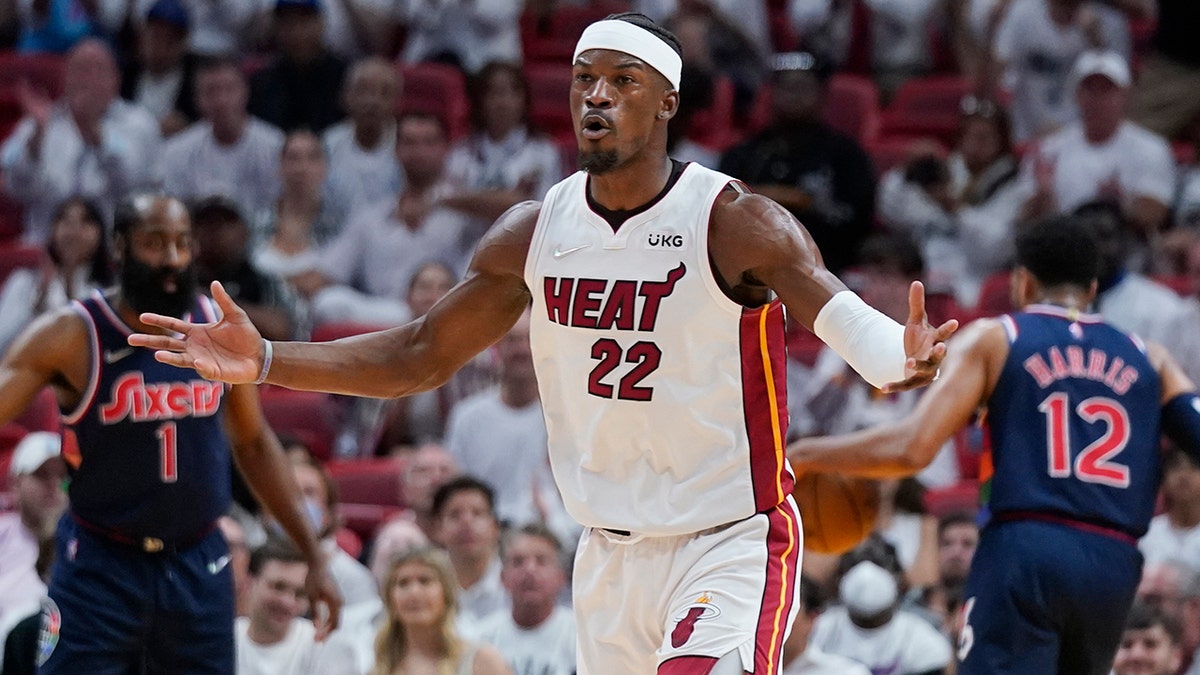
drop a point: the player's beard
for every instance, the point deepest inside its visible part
(142, 286)
(598, 162)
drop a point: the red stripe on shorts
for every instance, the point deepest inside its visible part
(783, 574)
(764, 402)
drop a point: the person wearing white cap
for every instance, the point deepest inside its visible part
(36, 476)
(1103, 156)
(657, 293)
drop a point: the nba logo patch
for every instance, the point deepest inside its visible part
(48, 634)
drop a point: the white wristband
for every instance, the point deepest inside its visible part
(871, 342)
(268, 352)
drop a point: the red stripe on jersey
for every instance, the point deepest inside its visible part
(764, 400)
(783, 572)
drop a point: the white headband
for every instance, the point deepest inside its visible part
(622, 36)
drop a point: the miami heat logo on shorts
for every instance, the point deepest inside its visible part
(685, 622)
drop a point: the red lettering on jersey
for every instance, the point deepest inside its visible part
(137, 401)
(654, 292)
(1036, 366)
(1058, 364)
(1075, 361)
(1097, 360)
(1115, 369)
(558, 299)
(588, 296)
(620, 307)
(1125, 380)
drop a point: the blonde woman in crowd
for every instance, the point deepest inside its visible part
(419, 636)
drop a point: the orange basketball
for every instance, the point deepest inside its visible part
(838, 511)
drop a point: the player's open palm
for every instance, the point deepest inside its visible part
(229, 350)
(924, 345)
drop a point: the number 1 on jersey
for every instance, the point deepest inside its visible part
(168, 465)
(1092, 465)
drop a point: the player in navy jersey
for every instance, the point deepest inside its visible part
(141, 581)
(1075, 409)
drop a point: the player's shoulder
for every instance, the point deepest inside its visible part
(739, 207)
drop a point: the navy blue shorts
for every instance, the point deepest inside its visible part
(1046, 598)
(116, 610)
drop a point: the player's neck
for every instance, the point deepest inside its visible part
(1067, 299)
(132, 317)
(633, 184)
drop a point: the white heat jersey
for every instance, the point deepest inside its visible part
(667, 403)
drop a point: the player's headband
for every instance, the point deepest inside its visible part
(622, 36)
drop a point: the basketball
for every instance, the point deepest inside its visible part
(837, 511)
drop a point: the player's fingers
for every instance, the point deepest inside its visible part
(916, 303)
(177, 359)
(228, 307)
(165, 342)
(945, 330)
(168, 322)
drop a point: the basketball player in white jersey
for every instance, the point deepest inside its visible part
(658, 292)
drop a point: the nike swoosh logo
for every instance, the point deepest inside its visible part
(114, 355)
(217, 565)
(558, 252)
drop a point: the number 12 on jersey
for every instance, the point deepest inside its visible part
(1093, 464)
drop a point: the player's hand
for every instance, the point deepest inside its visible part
(230, 350)
(924, 345)
(323, 598)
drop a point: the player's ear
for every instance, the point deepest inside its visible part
(669, 105)
(1093, 289)
(1022, 287)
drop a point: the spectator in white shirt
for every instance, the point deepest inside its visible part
(499, 434)
(1175, 533)
(1103, 156)
(537, 636)
(89, 143)
(464, 511)
(227, 153)
(802, 658)
(363, 168)
(383, 245)
(161, 77)
(503, 161)
(273, 639)
(466, 32)
(37, 473)
(77, 262)
(1037, 43)
(870, 627)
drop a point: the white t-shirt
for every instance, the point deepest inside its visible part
(297, 654)
(814, 661)
(1164, 541)
(483, 599)
(159, 93)
(900, 32)
(1040, 54)
(359, 176)
(505, 447)
(195, 166)
(547, 649)
(906, 644)
(1140, 159)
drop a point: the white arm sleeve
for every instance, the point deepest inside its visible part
(869, 341)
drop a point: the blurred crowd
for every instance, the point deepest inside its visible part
(343, 157)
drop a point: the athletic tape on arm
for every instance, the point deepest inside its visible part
(872, 343)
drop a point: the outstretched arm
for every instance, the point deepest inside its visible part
(757, 245)
(906, 446)
(418, 356)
